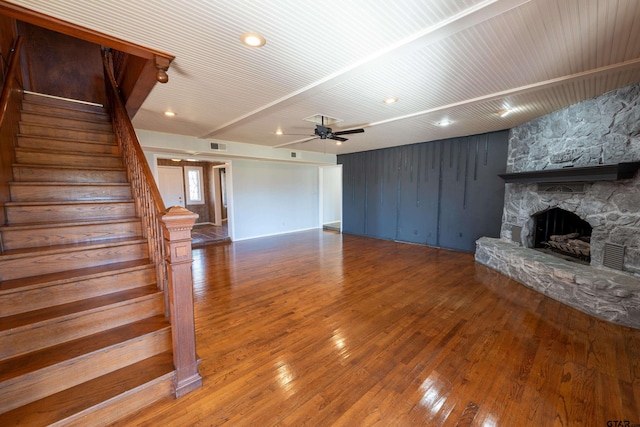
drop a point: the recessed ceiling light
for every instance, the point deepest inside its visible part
(191, 160)
(278, 132)
(505, 112)
(176, 160)
(169, 114)
(444, 123)
(338, 142)
(252, 40)
(390, 100)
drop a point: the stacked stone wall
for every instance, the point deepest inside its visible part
(603, 130)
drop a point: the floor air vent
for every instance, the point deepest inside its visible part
(613, 256)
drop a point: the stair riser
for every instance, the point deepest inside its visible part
(43, 237)
(53, 379)
(68, 112)
(52, 193)
(63, 159)
(33, 337)
(52, 132)
(62, 103)
(29, 214)
(49, 174)
(34, 265)
(38, 143)
(123, 405)
(63, 293)
(71, 123)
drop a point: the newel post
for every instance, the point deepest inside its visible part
(178, 223)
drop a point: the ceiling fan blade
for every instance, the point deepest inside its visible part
(337, 138)
(347, 132)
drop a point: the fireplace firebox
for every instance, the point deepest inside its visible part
(564, 233)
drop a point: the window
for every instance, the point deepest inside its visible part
(193, 180)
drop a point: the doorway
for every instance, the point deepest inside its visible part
(219, 194)
(171, 185)
(331, 197)
(197, 186)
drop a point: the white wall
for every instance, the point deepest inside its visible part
(200, 149)
(331, 194)
(272, 198)
(268, 191)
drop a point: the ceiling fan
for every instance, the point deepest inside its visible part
(323, 132)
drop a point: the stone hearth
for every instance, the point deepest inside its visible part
(602, 293)
(604, 130)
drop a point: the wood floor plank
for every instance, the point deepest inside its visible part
(318, 328)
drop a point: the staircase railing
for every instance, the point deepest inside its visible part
(10, 102)
(149, 204)
(169, 235)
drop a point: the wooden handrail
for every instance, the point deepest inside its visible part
(10, 79)
(148, 202)
(146, 170)
(168, 234)
(10, 102)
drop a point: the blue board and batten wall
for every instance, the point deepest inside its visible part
(444, 193)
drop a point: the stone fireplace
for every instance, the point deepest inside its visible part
(610, 208)
(605, 213)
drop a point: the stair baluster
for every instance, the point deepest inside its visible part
(151, 208)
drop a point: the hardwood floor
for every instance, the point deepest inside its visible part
(320, 329)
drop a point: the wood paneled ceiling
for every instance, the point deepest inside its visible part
(456, 60)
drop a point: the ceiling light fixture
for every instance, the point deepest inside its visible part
(252, 40)
(169, 114)
(176, 160)
(505, 112)
(444, 123)
(279, 132)
(390, 100)
(338, 142)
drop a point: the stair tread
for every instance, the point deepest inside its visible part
(65, 202)
(89, 304)
(71, 104)
(91, 393)
(31, 362)
(79, 154)
(71, 184)
(42, 225)
(62, 116)
(53, 279)
(91, 168)
(70, 247)
(45, 125)
(53, 138)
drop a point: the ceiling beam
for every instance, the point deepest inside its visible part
(468, 18)
(596, 72)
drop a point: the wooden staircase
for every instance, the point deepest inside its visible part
(83, 335)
